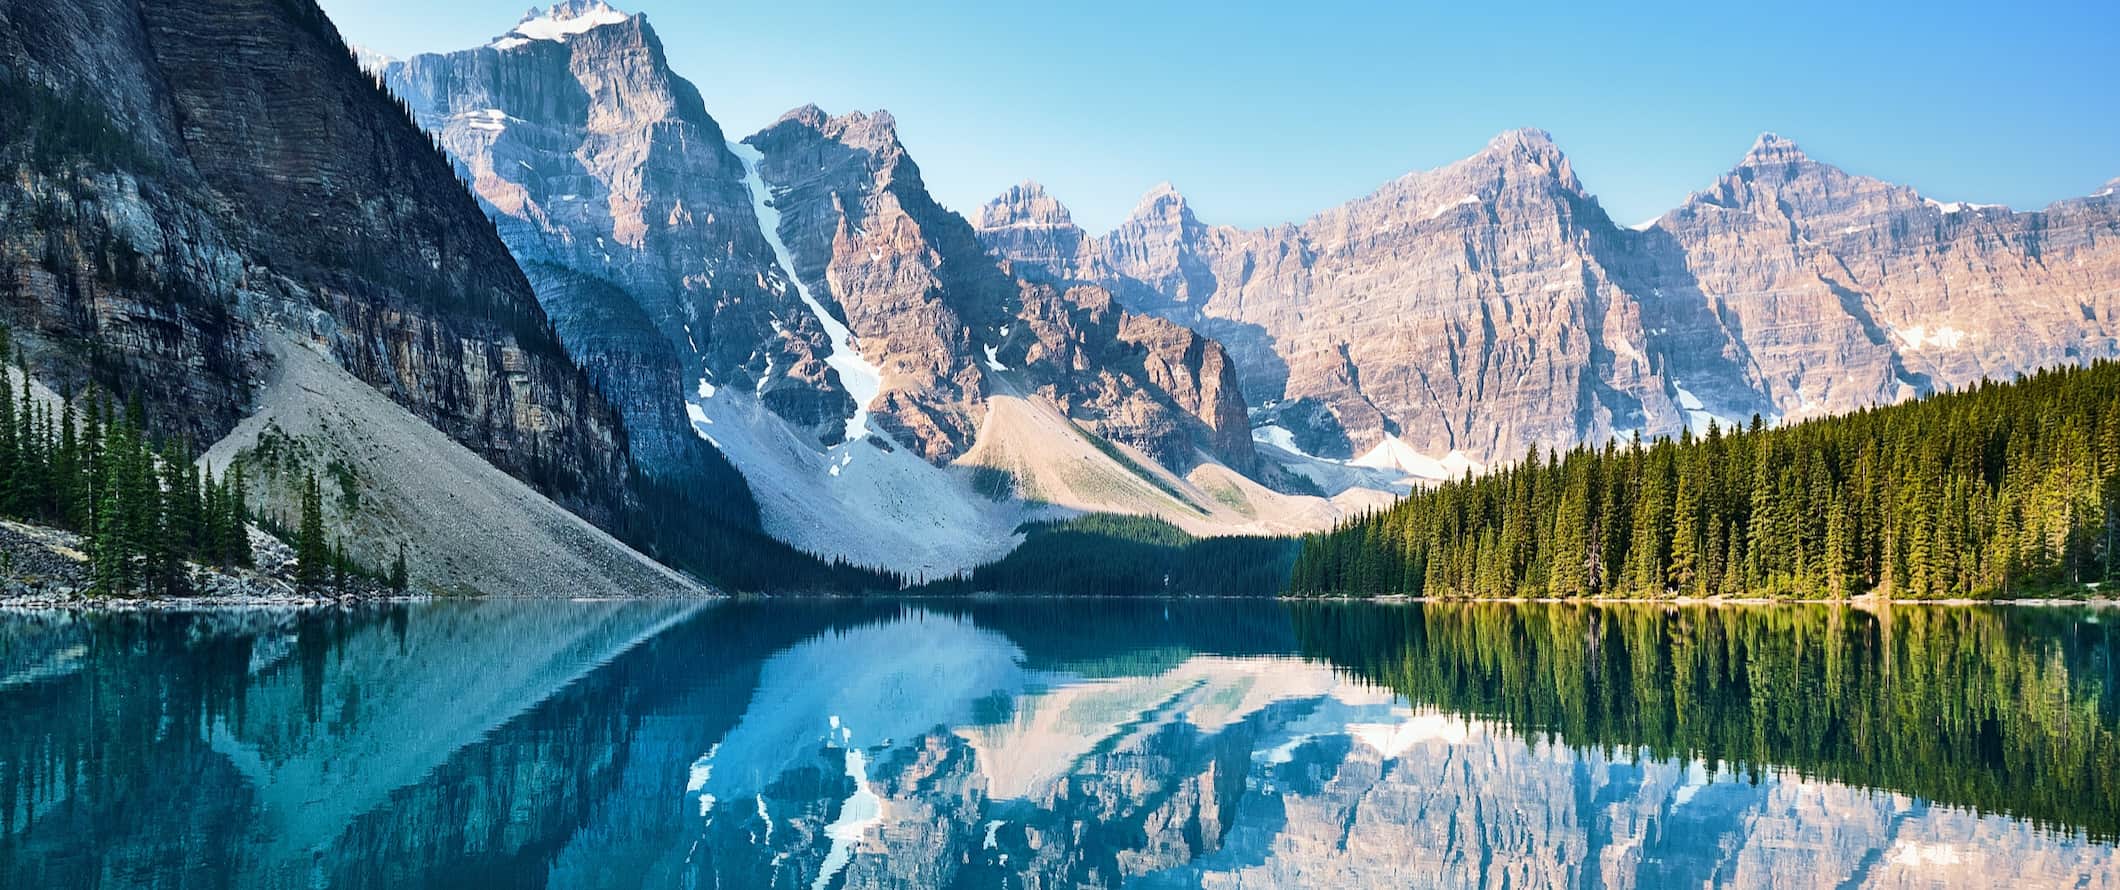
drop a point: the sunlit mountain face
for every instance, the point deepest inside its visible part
(1072, 744)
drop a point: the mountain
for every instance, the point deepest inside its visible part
(616, 192)
(1461, 315)
(205, 197)
(927, 301)
(840, 337)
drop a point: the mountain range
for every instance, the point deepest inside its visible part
(891, 391)
(577, 311)
(1491, 305)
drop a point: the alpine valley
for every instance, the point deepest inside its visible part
(529, 297)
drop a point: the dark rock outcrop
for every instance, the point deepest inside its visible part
(187, 171)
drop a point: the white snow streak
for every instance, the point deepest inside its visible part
(862, 811)
(1468, 200)
(861, 379)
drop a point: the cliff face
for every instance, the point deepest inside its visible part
(947, 326)
(1492, 304)
(198, 169)
(1843, 291)
(617, 191)
(805, 269)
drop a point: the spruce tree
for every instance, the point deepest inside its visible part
(312, 554)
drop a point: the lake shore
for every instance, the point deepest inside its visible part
(45, 569)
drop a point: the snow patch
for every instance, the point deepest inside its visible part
(1647, 224)
(562, 21)
(861, 379)
(1950, 207)
(1698, 417)
(889, 507)
(993, 361)
(1696, 779)
(1394, 453)
(1393, 740)
(1913, 854)
(1468, 200)
(1918, 336)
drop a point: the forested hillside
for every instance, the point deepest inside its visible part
(1103, 554)
(2002, 490)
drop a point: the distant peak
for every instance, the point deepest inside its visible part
(1770, 149)
(2111, 188)
(875, 131)
(1524, 137)
(1164, 203)
(1524, 147)
(563, 20)
(1162, 193)
(1024, 204)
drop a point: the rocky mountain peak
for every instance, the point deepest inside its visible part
(561, 21)
(875, 132)
(1526, 153)
(1165, 204)
(2112, 187)
(1530, 140)
(1024, 204)
(1527, 147)
(1771, 150)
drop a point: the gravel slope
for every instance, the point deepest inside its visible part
(466, 527)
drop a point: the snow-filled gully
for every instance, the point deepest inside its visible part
(861, 379)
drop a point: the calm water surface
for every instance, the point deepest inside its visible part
(1061, 744)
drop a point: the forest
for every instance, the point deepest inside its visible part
(143, 508)
(2002, 710)
(1103, 554)
(2003, 490)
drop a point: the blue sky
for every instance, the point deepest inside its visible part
(1268, 112)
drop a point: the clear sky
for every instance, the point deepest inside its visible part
(1268, 112)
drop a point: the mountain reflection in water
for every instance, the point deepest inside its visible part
(1060, 744)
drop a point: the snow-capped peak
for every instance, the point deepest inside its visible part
(370, 60)
(561, 21)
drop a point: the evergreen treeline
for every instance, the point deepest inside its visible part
(2004, 710)
(2005, 489)
(143, 508)
(676, 526)
(1108, 555)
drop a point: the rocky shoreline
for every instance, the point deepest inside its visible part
(43, 569)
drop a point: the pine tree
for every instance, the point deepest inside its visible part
(312, 554)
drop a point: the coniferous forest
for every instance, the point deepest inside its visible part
(1995, 709)
(143, 508)
(2002, 490)
(1103, 554)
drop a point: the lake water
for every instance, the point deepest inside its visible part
(1057, 744)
